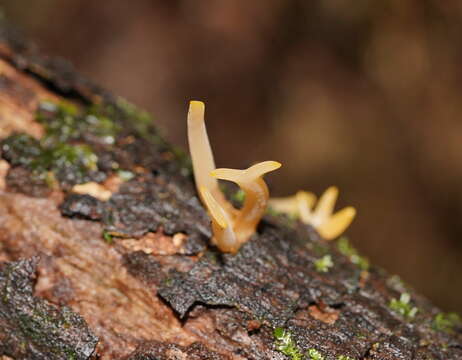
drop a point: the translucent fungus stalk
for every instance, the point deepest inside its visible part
(321, 217)
(224, 236)
(256, 195)
(201, 152)
(231, 227)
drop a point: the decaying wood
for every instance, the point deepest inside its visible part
(156, 289)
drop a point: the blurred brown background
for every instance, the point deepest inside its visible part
(366, 95)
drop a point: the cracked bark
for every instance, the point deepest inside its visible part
(155, 289)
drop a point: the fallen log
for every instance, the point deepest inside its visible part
(106, 253)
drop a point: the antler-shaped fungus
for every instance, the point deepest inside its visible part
(329, 225)
(231, 227)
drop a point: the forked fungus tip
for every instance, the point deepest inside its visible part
(321, 216)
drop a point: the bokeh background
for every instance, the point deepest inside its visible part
(365, 95)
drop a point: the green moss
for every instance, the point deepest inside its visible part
(315, 355)
(286, 345)
(70, 354)
(64, 155)
(324, 264)
(97, 121)
(23, 150)
(348, 250)
(63, 123)
(403, 306)
(108, 238)
(239, 196)
(59, 153)
(141, 121)
(67, 127)
(446, 322)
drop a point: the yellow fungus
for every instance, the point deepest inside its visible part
(324, 207)
(231, 227)
(294, 205)
(328, 225)
(217, 213)
(256, 195)
(337, 223)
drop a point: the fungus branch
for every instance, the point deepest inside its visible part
(201, 153)
(224, 236)
(231, 227)
(329, 225)
(256, 195)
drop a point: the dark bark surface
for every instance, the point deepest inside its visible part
(33, 328)
(135, 268)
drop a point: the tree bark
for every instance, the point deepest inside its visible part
(122, 267)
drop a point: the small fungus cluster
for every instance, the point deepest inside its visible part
(321, 216)
(233, 227)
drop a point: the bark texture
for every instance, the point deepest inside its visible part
(122, 267)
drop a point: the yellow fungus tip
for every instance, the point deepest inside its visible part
(197, 105)
(332, 189)
(196, 112)
(253, 172)
(322, 217)
(271, 165)
(325, 206)
(262, 168)
(338, 223)
(351, 211)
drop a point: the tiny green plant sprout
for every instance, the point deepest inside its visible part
(447, 322)
(231, 227)
(321, 216)
(324, 264)
(403, 306)
(314, 354)
(286, 345)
